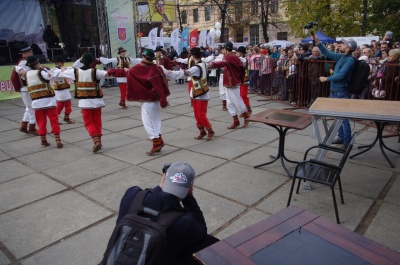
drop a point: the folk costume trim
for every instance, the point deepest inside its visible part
(123, 62)
(200, 85)
(86, 89)
(38, 87)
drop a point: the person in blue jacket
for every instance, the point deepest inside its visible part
(339, 81)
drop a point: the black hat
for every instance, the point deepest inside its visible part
(149, 54)
(195, 51)
(159, 49)
(241, 49)
(87, 58)
(228, 45)
(31, 61)
(59, 59)
(121, 49)
(26, 48)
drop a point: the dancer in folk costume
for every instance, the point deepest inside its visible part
(43, 99)
(199, 94)
(147, 83)
(244, 86)
(89, 93)
(121, 62)
(61, 89)
(234, 73)
(20, 86)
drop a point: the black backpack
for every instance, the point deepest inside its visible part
(359, 77)
(138, 240)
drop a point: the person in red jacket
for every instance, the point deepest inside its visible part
(233, 76)
(147, 83)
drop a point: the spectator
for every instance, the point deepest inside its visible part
(173, 54)
(382, 47)
(290, 70)
(316, 68)
(389, 71)
(385, 55)
(266, 73)
(340, 80)
(255, 67)
(280, 74)
(186, 235)
(367, 56)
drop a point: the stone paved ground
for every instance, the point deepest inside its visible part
(59, 206)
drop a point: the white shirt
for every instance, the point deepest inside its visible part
(114, 61)
(44, 103)
(61, 95)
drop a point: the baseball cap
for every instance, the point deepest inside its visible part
(179, 179)
(351, 43)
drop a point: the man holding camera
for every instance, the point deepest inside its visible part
(340, 79)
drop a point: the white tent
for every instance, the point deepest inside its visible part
(282, 43)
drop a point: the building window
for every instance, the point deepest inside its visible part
(207, 13)
(239, 36)
(274, 6)
(238, 11)
(184, 17)
(254, 34)
(254, 7)
(282, 36)
(195, 15)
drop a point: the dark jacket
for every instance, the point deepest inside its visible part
(185, 233)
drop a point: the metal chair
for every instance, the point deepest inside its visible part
(322, 172)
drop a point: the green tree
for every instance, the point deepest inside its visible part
(334, 17)
(384, 15)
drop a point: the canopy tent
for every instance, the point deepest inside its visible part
(281, 43)
(321, 36)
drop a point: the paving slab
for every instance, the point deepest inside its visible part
(84, 248)
(25, 146)
(7, 125)
(393, 195)
(13, 169)
(244, 220)
(388, 216)
(20, 191)
(109, 142)
(4, 156)
(254, 135)
(110, 189)
(224, 148)
(52, 158)
(85, 169)
(47, 221)
(241, 178)
(121, 124)
(12, 135)
(319, 201)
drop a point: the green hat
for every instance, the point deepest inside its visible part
(31, 61)
(149, 53)
(228, 45)
(241, 49)
(159, 49)
(87, 58)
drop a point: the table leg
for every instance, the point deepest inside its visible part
(281, 151)
(379, 127)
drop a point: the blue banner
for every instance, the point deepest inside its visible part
(185, 38)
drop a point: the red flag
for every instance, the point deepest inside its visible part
(193, 38)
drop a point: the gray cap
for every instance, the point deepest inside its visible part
(389, 33)
(179, 179)
(351, 43)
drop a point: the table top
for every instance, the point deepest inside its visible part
(284, 118)
(281, 239)
(381, 110)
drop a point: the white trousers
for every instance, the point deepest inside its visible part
(222, 93)
(234, 102)
(29, 115)
(151, 118)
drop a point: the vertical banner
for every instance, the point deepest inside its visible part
(152, 39)
(193, 38)
(210, 40)
(203, 38)
(185, 38)
(120, 23)
(175, 39)
(162, 37)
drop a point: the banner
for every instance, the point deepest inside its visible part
(185, 38)
(203, 38)
(193, 38)
(159, 10)
(175, 39)
(162, 37)
(121, 30)
(152, 39)
(210, 40)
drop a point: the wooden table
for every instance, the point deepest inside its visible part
(282, 121)
(381, 112)
(296, 236)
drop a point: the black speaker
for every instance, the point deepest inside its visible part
(3, 43)
(3, 61)
(5, 53)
